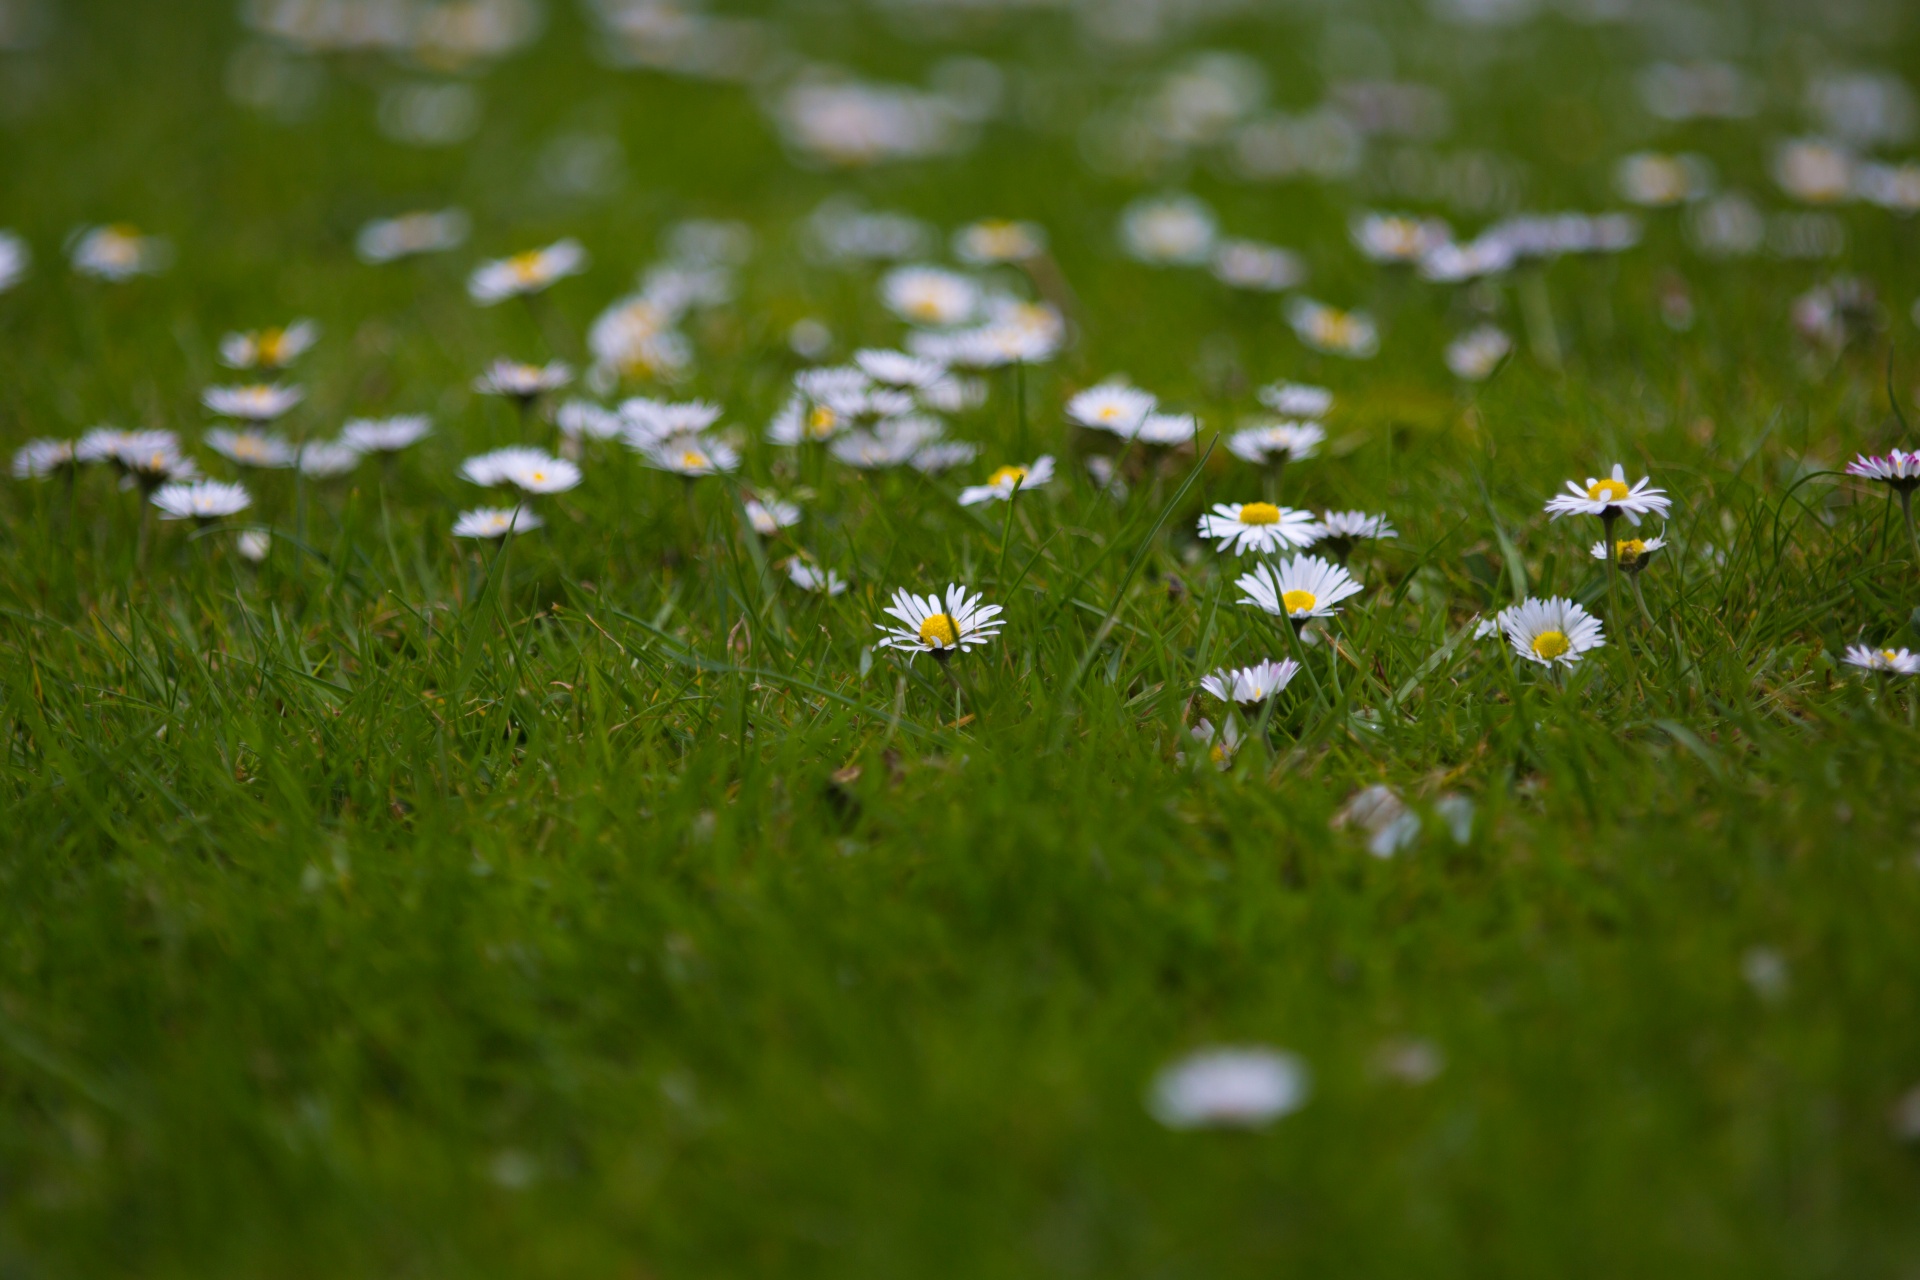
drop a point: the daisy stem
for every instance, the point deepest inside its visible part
(1275, 468)
(1634, 581)
(1300, 656)
(1006, 537)
(1020, 405)
(946, 668)
(1906, 510)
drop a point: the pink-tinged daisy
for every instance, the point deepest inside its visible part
(1004, 483)
(269, 348)
(495, 522)
(1896, 469)
(1551, 631)
(1240, 527)
(525, 273)
(202, 500)
(1888, 662)
(926, 624)
(1610, 498)
(1303, 587)
(1250, 684)
(259, 402)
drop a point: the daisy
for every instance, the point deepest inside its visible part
(259, 402)
(800, 421)
(1395, 238)
(1111, 406)
(810, 577)
(202, 500)
(1894, 662)
(1610, 498)
(1228, 1088)
(1276, 443)
(524, 383)
(645, 422)
(326, 459)
(105, 444)
(944, 455)
(14, 258)
(1240, 527)
(524, 468)
(525, 273)
(1333, 331)
(583, 420)
(1177, 230)
(390, 239)
(253, 545)
(635, 338)
(39, 459)
(926, 625)
(1341, 529)
(1296, 400)
(153, 458)
(1220, 744)
(1167, 429)
(769, 516)
(1898, 470)
(117, 253)
(995, 240)
(1004, 483)
(269, 348)
(1262, 268)
(898, 369)
(1656, 181)
(495, 522)
(1630, 554)
(953, 394)
(1304, 587)
(1550, 631)
(1474, 355)
(930, 296)
(1250, 684)
(251, 448)
(692, 456)
(1814, 171)
(387, 435)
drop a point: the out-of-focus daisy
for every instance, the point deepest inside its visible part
(930, 296)
(898, 369)
(1897, 469)
(583, 420)
(943, 455)
(14, 259)
(523, 383)
(1240, 527)
(801, 421)
(1891, 662)
(1220, 745)
(1296, 400)
(1261, 268)
(1303, 587)
(1340, 530)
(1397, 238)
(495, 522)
(387, 435)
(531, 272)
(269, 348)
(326, 459)
(253, 545)
(1177, 230)
(258, 402)
(529, 470)
(1111, 406)
(1167, 429)
(1658, 181)
(390, 239)
(1378, 810)
(1228, 1088)
(692, 456)
(150, 458)
(1610, 498)
(1014, 333)
(1004, 483)
(1554, 630)
(810, 577)
(994, 240)
(38, 459)
(1630, 555)
(953, 394)
(1474, 355)
(117, 252)
(645, 422)
(251, 448)
(1276, 442)
(1814, 171)
(1250, 684)
(1336, 332)
(769, 516)
(635, 338)
(927, 624)
(202, 500)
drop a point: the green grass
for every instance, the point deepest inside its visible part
(608, 909)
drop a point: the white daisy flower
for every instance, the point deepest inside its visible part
(1397, 238)
(1896, 469)
(1276, 442)
(645, 422)
(150, 457)
(1341, 529)
(933, 297)
(117, 253)
(325, 459)
(1304, 587)
(1229, 1088)
(1167, 429)
(253, 545)
(1004, 483)
(38, 459)
(525, 273)
(800, 421)
(1019, 333)
(1250, 684)
(390, 239)
(1630, 554)
(1657, 181)
(495, 522)
(1610, 498)
(201, 500)
(995, 240)
(898, 369)
(269, 348)
(1550, 631)
(769, 516)
(260, 402)
(522, 382)
(251, 448)
(1814, 171)
(14, 260)
(1897, 662)
(953, 394)
(810, 577)
(584, 420)
(1177, 230)
(1111, 406)
(927, 625)
(1333, 331)
(692, 455)
(526, 469)
(1261, 268)
(943, 455)
(107, 444)
(1297, 400)
(1220, 745)
(1473, 356)
(635, 338)
(387, 435)
(1240, 527)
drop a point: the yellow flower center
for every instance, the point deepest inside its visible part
(1008, 477)
(1219, 753)
(538, 477)
(525, 266)
(925, 306)
(1610, 490)
(1551, 644)
(1108, 412)
(939, 632)
(821, 422)
(693, 459)
(272, 346)
(248, 447)
(1629, 550)
(1298, 601)
(1889, 654)
(1259, 513)
(1335, 329)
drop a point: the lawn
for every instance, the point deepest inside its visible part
(594, 897)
